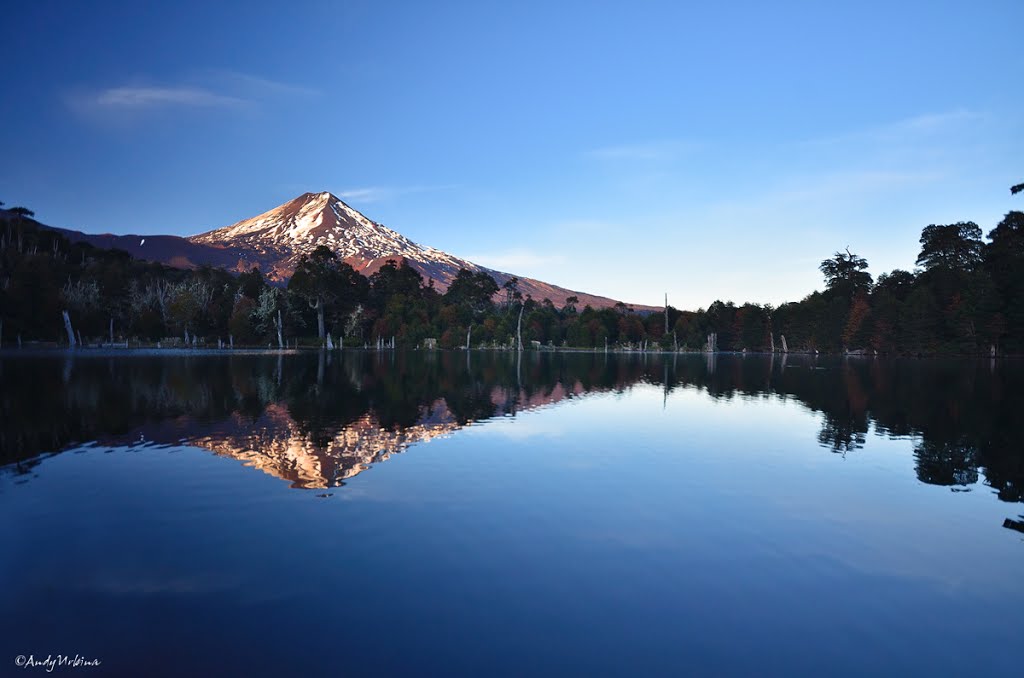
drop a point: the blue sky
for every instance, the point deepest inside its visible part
(707, 150)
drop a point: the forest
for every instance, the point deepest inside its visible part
(964, 295)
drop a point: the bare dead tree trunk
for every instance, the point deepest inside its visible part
(782, 338)
(666, 312)
(771, 336)
(280, 337)
(68, 329)
(320, 317)
(468, 331)
(519, 327)
(111, 331)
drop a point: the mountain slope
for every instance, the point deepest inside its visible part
(279, 238)
(167, 249)
(275, 241)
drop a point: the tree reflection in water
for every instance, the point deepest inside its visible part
(317, 419)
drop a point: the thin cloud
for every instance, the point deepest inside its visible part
(904, 130)
(654, 150)
(368, 194)
(258, 87)
(933, 121)
(208, 90)
(133, 98)
(802, 202)
(856, 184)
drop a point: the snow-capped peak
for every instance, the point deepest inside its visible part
(275, 241)
(313, 219)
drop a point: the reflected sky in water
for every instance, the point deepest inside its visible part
(414, 514)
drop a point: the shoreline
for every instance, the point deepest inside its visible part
(52, 348)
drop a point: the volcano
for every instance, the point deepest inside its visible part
(276, 240)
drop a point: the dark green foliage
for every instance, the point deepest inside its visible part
(967, 297)
(954, 246)
(845, 274)
(399, 305)
(330, 288)
(471, 290)
(251, 283)
(1004, 260)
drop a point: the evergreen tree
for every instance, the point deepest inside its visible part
(954, 246)
(845, 274)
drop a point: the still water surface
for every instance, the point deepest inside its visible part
(438, 514)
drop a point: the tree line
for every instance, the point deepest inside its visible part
(966, 295)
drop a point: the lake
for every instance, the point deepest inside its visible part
(438, 513)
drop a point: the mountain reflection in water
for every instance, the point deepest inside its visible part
(317, 419)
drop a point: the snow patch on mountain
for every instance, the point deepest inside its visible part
(298, 227)
(275, 241)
